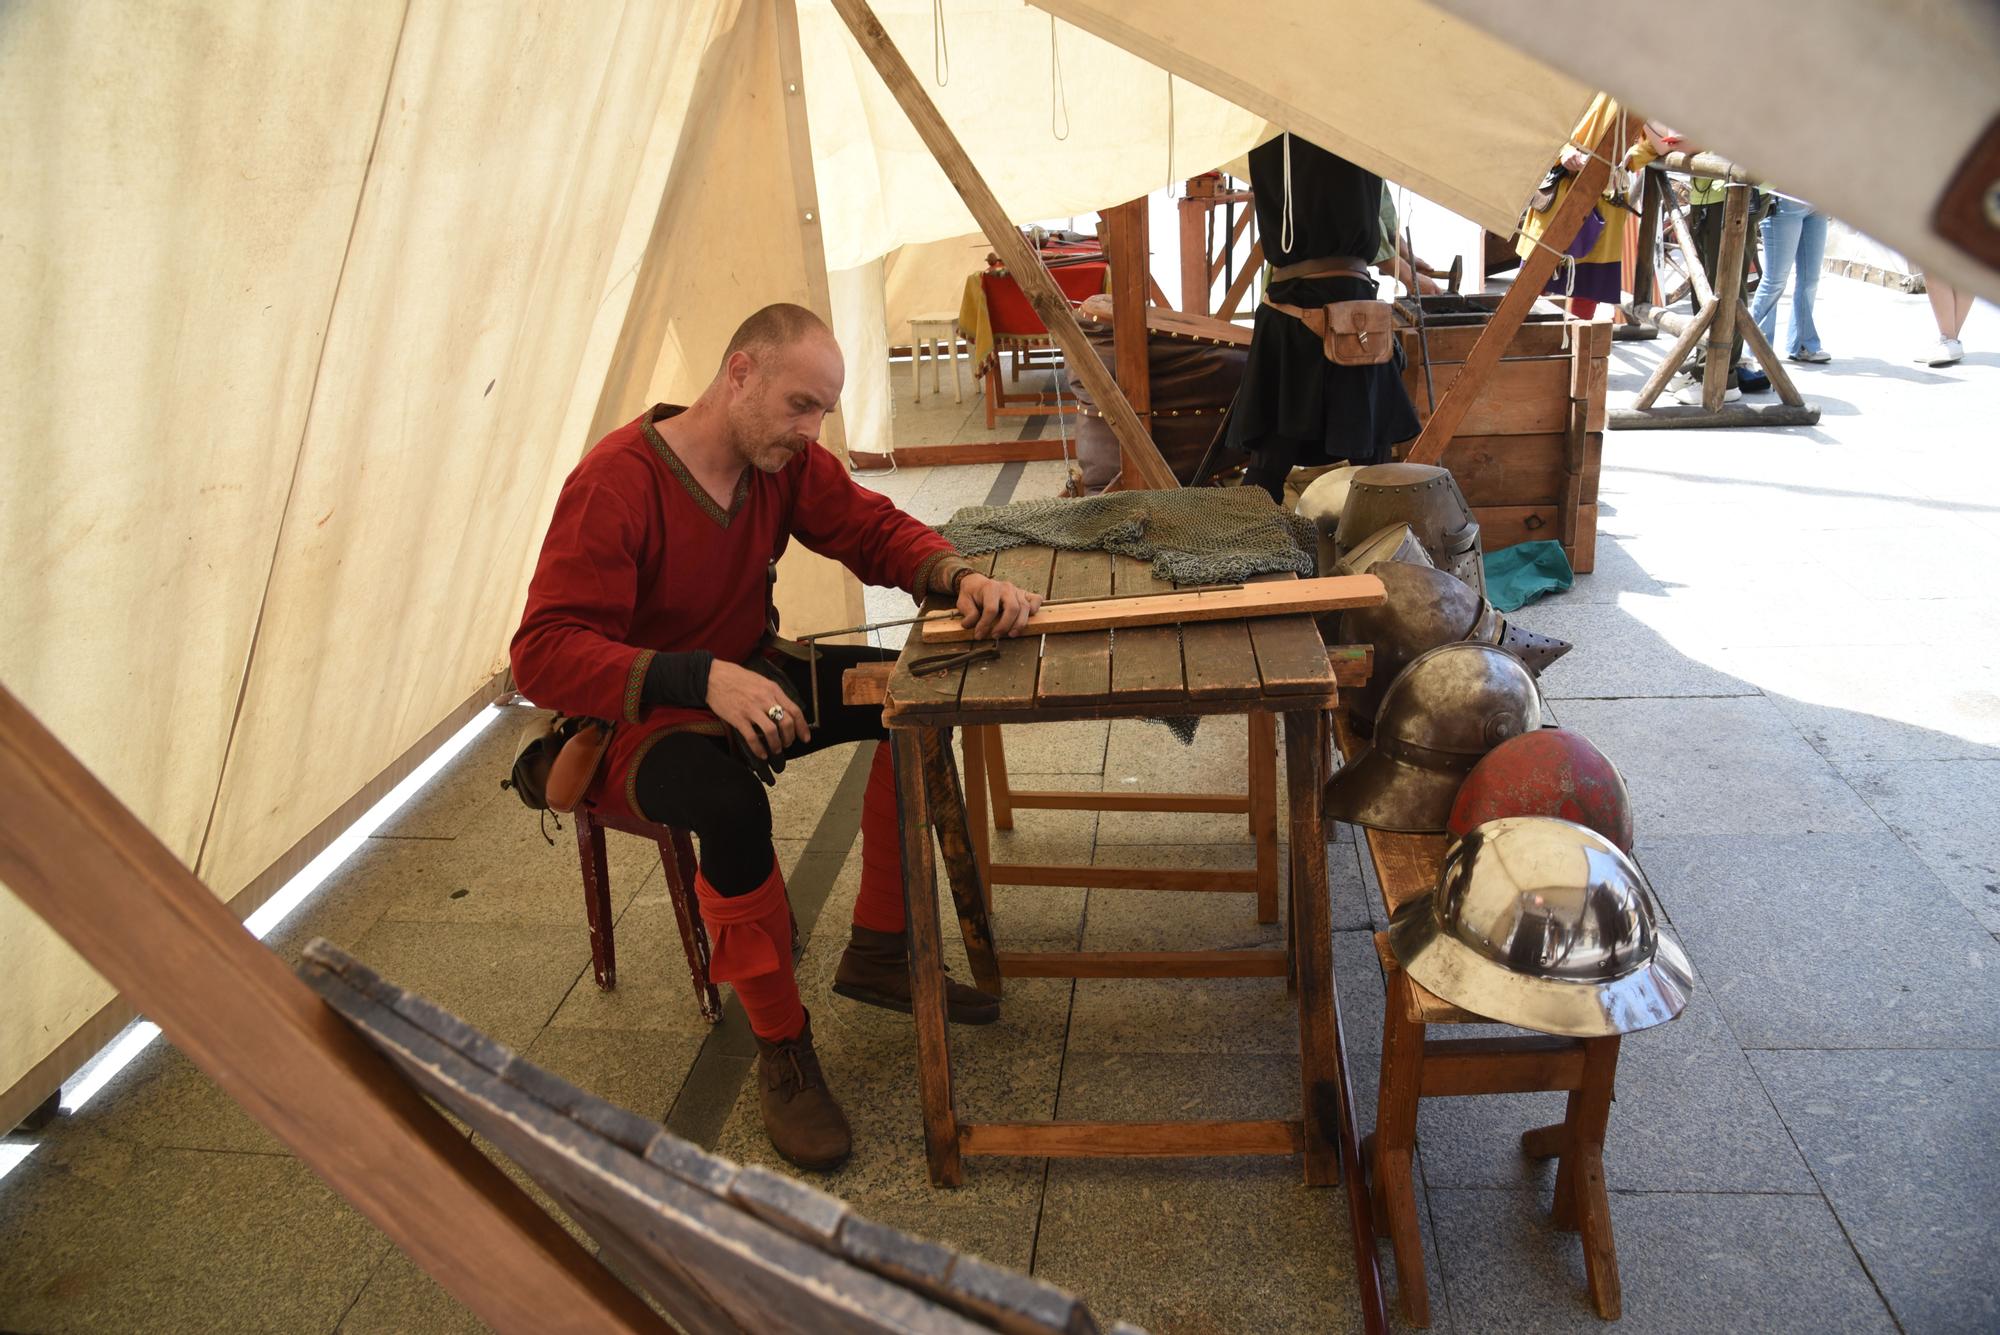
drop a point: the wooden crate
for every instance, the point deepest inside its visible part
(1527, 455)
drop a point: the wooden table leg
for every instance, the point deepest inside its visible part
(1590, 1112)
(948, 816)
(1264, 811)
(926, 961)
(1331, 1151)
(1396, 1140)
(996, 777)
(974, 740)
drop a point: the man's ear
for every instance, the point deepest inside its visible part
(736, 368)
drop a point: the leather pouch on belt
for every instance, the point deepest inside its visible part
(577, 764)
(1359, 333)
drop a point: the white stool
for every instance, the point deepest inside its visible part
(934, 330)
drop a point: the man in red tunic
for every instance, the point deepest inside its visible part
(650, 607)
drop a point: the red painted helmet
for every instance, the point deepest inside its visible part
(1548, 772)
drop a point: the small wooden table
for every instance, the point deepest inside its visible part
(940, 334)
(1270, 666)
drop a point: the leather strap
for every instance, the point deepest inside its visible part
(1327, 266)
(1312, 317)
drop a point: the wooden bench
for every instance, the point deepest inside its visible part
(720, 1247)
(1416, 1066)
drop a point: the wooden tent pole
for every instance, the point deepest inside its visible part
(1124, 236)
(1576, 204)
(1143, 461)
(76, 856)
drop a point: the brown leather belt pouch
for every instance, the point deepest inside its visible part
(1352, 333)
(576, 765)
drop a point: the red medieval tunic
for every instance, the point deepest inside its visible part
(640, 560)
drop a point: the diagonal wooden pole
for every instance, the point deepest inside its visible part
(1143, 461)
(1729, 277)
(1576, 204)
(76, 856)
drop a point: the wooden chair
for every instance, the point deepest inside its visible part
(1416, 1066)
(1019, 331)
(718, 1246)
(677, 861)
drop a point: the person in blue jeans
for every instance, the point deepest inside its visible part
(1794, 235)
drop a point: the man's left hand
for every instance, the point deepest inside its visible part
(992, 608)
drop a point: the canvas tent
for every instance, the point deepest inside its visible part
(312, 312)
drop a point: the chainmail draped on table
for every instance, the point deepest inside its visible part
(1203, 535)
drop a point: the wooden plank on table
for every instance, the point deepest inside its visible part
(1008, 682)
(1353, 664)
(1141, 456)
(74, 854)
(1327, 594)
(1145, 660)
(1076, 669)
(917, 695)
(1143, 964)
(866, 684)
(1144, 1140)
(1291, 656)
(1218, 660)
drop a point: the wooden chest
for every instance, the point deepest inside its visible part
(1527, 455)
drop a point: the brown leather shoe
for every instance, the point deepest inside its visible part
(875, 970)
(804, 1122)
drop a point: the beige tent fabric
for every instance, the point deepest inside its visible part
(313, 314)
(1411, 93)
(880, 186)
(1867, 112)
(174, 236)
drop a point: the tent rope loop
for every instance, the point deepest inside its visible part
(1058, 96)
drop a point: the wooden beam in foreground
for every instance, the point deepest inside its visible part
(76, 856)
(1583, 192)
(1277, 598)
(1142, 457)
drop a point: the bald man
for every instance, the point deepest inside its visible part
(651, 607)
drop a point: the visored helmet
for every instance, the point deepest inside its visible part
(1542, 923)
(1426, 498)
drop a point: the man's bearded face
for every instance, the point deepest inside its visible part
(783, 398)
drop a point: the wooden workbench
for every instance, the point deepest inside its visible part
(1268, 667)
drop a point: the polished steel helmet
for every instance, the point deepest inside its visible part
(1397, 542)
(1541, 923)
(1422, 609)
(1426, 498)
(1321, 503)
(1444, 711)
(1549, 772)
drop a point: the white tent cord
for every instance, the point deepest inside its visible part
(1058, 97)
(940, 46)
(1285, 232)
(1170, 131)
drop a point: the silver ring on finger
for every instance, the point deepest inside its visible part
(776, 713)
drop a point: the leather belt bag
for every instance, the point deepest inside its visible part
(1353, 333)
(556, 764)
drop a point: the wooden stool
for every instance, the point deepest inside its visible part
(1415, 1066)
(677, 861)
(933, 331)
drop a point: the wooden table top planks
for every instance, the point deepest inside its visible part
(1207, 667)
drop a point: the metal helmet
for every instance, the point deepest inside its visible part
(1550, 772)
(1444, 711)
(1320, 504)
(1426, 498)
(1397, 542)
(1541, 923)
(1422, 609)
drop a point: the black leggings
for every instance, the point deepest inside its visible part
(697, 782)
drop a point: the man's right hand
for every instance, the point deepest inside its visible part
(743, 699)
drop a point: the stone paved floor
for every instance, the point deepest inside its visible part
(1790, 645)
